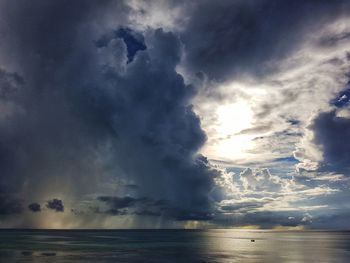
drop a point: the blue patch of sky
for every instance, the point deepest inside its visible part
(342, 99)
(134, 41)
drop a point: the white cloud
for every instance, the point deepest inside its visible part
(157, 14)
(283, 103)
(257, 190)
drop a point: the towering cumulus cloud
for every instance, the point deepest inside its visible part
(82, 107)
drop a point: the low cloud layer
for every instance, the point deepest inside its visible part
(55, 204)
(34, 207)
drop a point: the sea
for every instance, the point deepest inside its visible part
(219, 245)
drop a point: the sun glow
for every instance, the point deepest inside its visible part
(233, 118)
(225, 139)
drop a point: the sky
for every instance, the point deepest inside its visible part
(175, 114)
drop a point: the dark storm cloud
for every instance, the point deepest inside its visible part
(134, 41)
(34, 207)
(126, 206)
(10, 86)
(73, 121)
(331, 132)
(155, 117)
(42, 135)
(147, 213)
(225, 37)
(46, 30)
(156, 128)
(180, 214)
(148, 207)
(9, 205)
(9, 83)
(120, 202)
(55, 204)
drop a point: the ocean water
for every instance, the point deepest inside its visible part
(174, 246)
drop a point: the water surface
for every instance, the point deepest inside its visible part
(173, 246)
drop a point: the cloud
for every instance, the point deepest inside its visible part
(158, 129)
(134, 41)
(256, 197)
(250, 37)
(279, 91)
(33, 147)
(267, 220)
(122, 205)
(55, 204)
(97, 105)
(147, 207)
(242, 206)
(323, 150)
(85, 120)
(34, 207)
(332, 40)
(118, 202)
(260, 180)
(330, 133)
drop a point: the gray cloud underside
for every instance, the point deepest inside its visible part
(75, 118)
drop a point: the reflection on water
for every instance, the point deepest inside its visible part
(174, 246)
